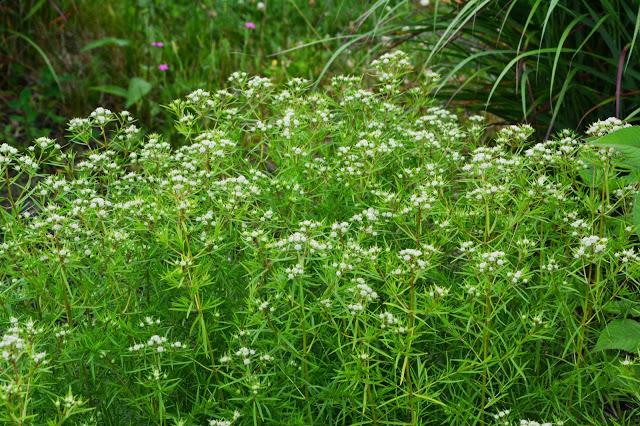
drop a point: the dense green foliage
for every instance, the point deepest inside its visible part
(354, 255)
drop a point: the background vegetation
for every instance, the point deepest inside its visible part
(553, 64)
(61, 58)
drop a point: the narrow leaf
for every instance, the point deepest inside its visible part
(635, 213)
(106, 41)
(112, 90)
(45, 58)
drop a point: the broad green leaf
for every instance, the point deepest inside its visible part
(627, 141)
(112, 90)
(620, 334)
(105, 41)
(138, 88)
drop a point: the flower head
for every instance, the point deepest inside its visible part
(157, 44)
(250, 25)
(163, 67)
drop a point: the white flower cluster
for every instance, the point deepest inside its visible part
(515, 134)
(157, 344)
(436, 117)
(235, 190)
(101, 116)
(417, 258)
(603, 127)
(577, 225)
(294, 271)
(246, 354)
(487, 191)
(287, 123)
(238, 78)
(224, 422)
(534, 423)
(359, 98)
(628, 256)
(500, 415)
(69, 401)
(552, 151)
(364, 291)
(17, 342)
(355, 308)
(200, 96)
(591, 246)
(551, 265)
(437, 291)
(518, 277)
(491, 261)
(392, 65)
(78, 125)
(7, 153)
(467, 247)
(339, 229)
(212, 143)
(423, 200)
(149, 321)
(484, 159)
(257, 86)
(387, 319)
(545, 188)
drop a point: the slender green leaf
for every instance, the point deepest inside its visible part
(34, 9)
(563, 39)
(567, 82)
(515, 61)
(44, 57)
(635, 213)
(105, 41)
(552, 6)
(632, 114)
(112, 90)
(461, 19)
(632, 45)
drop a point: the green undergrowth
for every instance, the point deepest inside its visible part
(342, 256)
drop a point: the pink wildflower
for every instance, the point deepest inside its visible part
(163, 67)
(157, 44)
(250, 25)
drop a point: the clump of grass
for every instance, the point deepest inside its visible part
(355, 255)
(553, 64)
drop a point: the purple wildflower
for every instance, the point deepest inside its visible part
(157, 44)
(250, 25)
(163, 67)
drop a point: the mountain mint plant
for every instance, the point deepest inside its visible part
(293, 256)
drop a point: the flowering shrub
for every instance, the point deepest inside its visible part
(350, 256)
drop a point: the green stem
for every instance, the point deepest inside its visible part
(305, 367)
